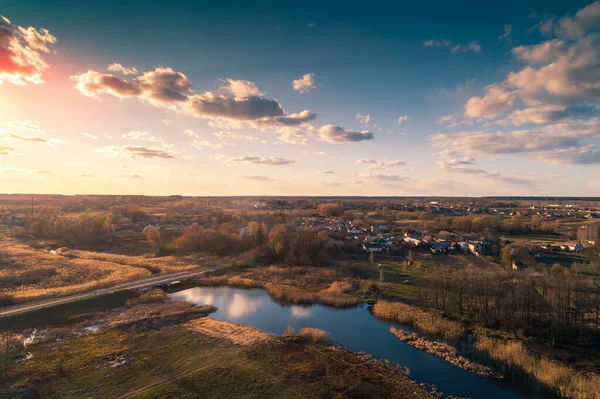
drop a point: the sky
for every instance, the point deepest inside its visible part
(171, 97)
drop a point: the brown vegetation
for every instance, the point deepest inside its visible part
(426, 321)
(238, 334)
(27, 273)
(564, 380)
(444, 351)
(313, 334)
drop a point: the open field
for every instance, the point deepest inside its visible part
(27, 273)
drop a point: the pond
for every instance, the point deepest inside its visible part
(357, 329)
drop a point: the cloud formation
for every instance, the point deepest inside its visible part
(473, 46)
(547, 142)
(132, 151)
(32, 139)
(338, 134)
(22, 53)
(236, 136)
(383, 177)
(374, 164)
(258, 160)
(141, 136)
(170, 89)
(363, 119)
(6, 150)
(241, 88)
(403, 119)
(116, 67)
(305, 83)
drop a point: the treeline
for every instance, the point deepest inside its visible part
(282, 243)
(92, 228)
(548, 303)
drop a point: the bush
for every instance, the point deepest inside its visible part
(18, 232)
(313, 334)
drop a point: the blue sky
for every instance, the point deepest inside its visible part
(492, 98)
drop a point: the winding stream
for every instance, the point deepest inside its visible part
(357, 329)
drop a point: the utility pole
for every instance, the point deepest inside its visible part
(31, 208)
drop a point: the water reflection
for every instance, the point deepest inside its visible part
(235, 304)
(300, 312)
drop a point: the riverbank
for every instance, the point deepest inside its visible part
(303, 285)
(151, 348)
(444, 351)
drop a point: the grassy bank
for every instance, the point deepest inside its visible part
(564, 380)
(429, 322)
(444, 351)
(152, 349)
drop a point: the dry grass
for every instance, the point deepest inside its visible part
(564, 380)
(426, 321)
(290, 294)
(27, 273)
(313, 334)
(444, 351)
(239, 335)
(150, 296)
(165, 264)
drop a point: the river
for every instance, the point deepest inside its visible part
(357, 329)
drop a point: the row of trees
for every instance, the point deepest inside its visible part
(549, 303)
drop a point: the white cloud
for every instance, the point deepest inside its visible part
(305, 83)
(116, 67)
(374, 164)
(363, 119)
(141, 136)
(131, 151)
(90, 136)
(495, 102)
(327, 172)
(403, 119)
(241, 88)
(259, 160)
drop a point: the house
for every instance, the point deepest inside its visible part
(416, 242)
(427, 239)
(439, 246)
(464, 247)
(573, 246)
(353, 230)
(378, 229)
(372, 247)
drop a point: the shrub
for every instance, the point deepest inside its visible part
(313, 334)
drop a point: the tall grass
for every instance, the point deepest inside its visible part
(426, 321)
(27, 273)
(313, 334)
(444, 351)
(162, 264)
(564, 380)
